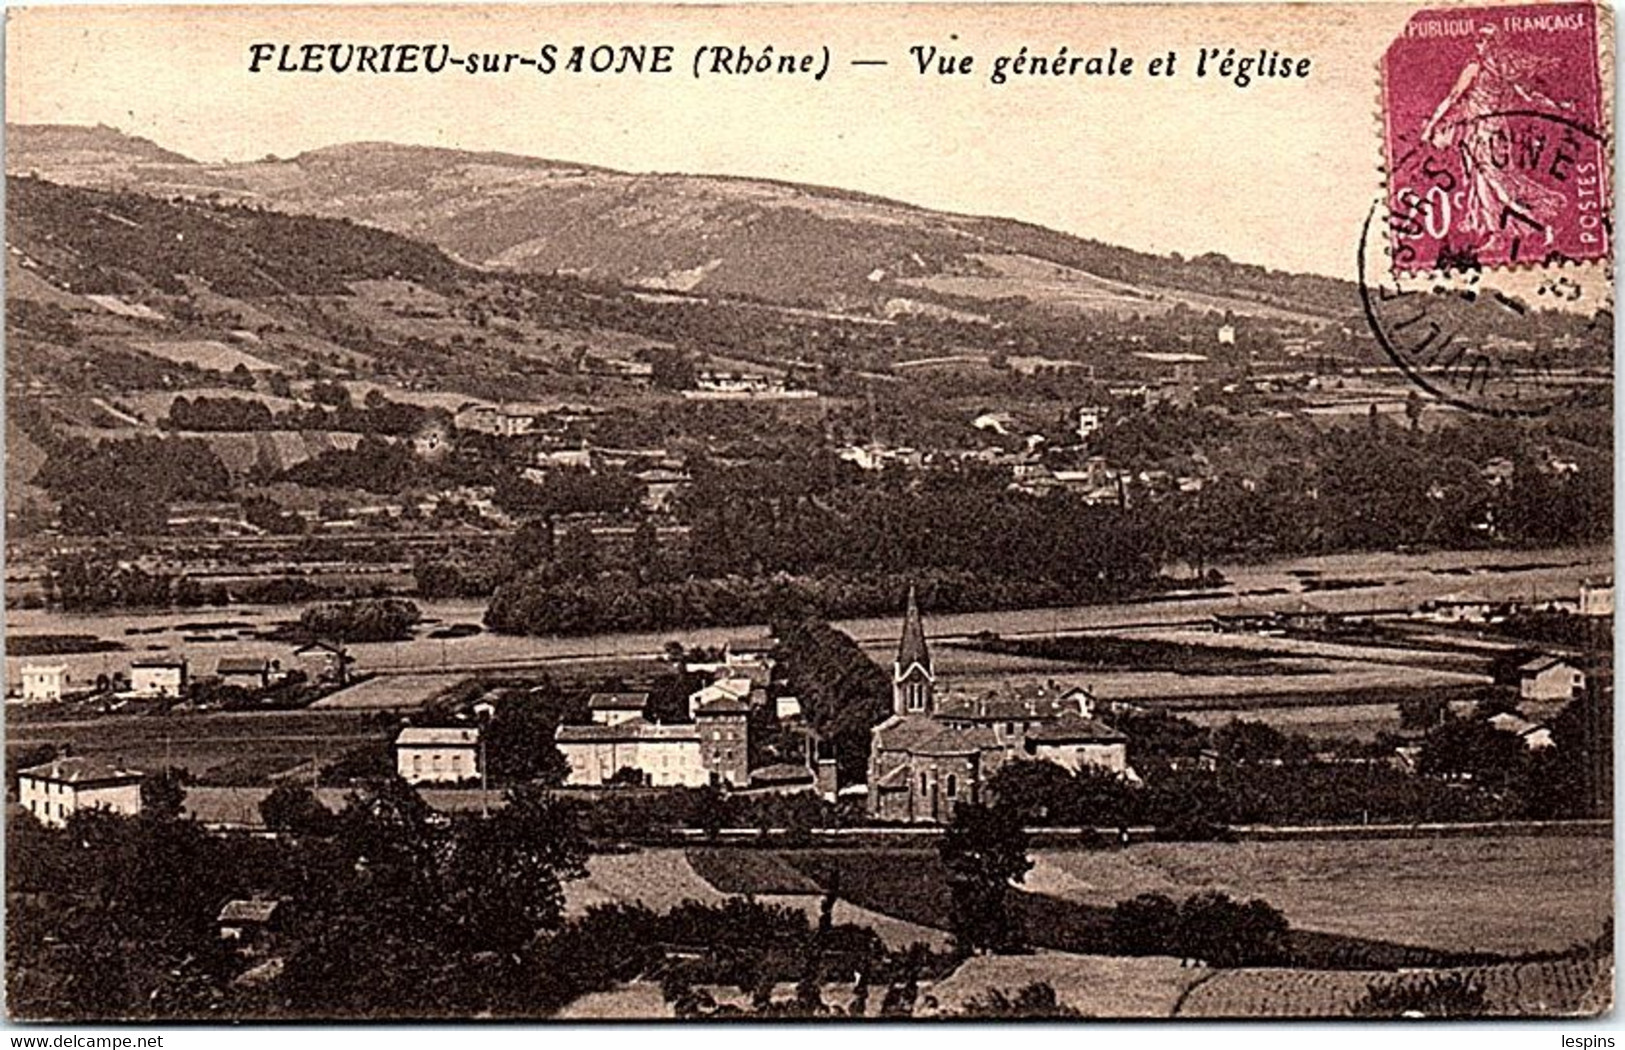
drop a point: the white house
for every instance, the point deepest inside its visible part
(433, 755)
(1090, 419)
(1550, 678)
(43, 683)
(158, 676)
(1076, 742)
(56, 790)
(1597, 599)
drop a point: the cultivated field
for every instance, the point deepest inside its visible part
(1498, 895)
(389, 692)
(1557, 988)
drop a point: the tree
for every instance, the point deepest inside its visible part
(1034, 1000)
(985, 850)
(1146, 925)
(1224, 932)
(163, 794)
(294, 808)
(1474, 750)
(1038, 791)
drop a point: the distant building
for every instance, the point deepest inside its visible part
(55, 791)
(158, 677)
(498, 422)
(610, 709)
(787, 709)
(1597, 599)
(1227, 335)
(247, 672)
(433, 755)
(1535, 736)
(1550, 678)
(1090, 419)
(43, 683)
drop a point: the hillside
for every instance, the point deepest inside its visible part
(714, 236)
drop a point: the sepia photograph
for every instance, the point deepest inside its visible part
(840, 513)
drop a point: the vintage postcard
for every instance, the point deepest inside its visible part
(841, 512)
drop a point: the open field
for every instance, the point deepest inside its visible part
(392, 692)
(215, 747)
(1496, 895)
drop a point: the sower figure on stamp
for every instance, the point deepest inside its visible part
(1495, 81)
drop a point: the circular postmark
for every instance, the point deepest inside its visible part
(1476, 347)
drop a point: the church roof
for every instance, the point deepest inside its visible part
(911, 649)
(924, 735)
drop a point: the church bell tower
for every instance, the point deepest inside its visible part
(913, 683)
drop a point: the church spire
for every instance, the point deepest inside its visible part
(913, 681)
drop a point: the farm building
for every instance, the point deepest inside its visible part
(158, 676)
(427, 755)
(1550, 678)
(930, 756)
(56, 790)
(42, 683)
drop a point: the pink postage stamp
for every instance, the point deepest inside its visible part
(1494, 131)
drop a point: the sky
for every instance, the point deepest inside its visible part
(1281, 172)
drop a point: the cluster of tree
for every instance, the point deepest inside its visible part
(375, 464)
(843, 693)
(367, 620)
(1304, 490)
(984, 852)
(376, 415)
(125, 486)
(1209, 927)
(532, 603)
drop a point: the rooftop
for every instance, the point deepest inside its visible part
(1075, 729)
(247, 911)
(618, 701)
(436, 736)
(629, 730)
(81, 770)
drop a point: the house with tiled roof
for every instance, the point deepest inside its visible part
(58, 789)
(437, 755)
(1550, 678)
(712, 749)
(933, 754)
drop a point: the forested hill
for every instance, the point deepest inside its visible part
(758, 239)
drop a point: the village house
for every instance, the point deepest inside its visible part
(710, 750)
(43, 683)
(1535, 736)
(433, 755)
(731, 687)
(56, 790)
(1550, 678)
(931, 756)
(498, 422)
(248, 672)
(1597, 598)
(157, 677)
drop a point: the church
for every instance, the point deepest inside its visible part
(937, 751)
